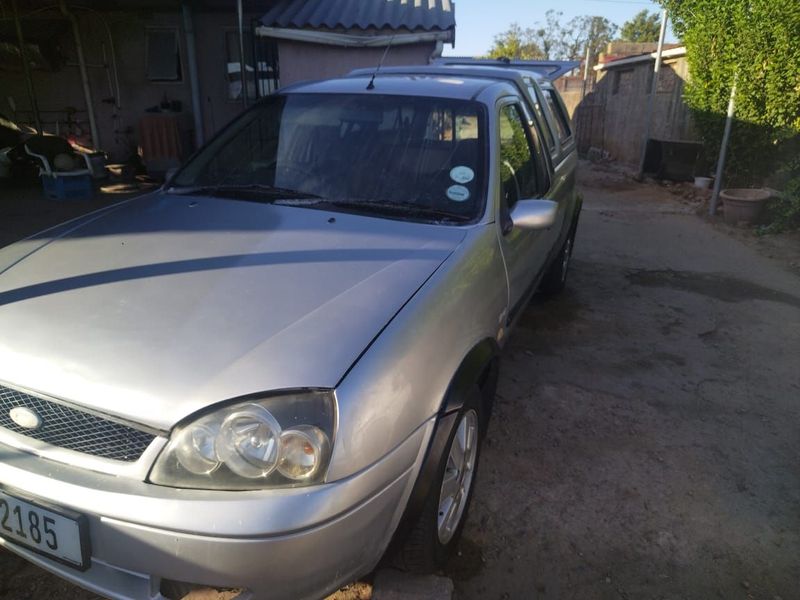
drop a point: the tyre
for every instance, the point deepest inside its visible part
(555, 278)
(434, 536)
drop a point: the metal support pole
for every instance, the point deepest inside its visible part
(117, 93)
(87, 89)
(723, 151)
(586, 71)
(114, 70)
(26, 67)
(194, 80)
(256, 63)
(651, 101)
(242, 66)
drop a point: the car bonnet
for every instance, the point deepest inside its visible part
(169, 304)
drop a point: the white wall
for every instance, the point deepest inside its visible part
(301, 61)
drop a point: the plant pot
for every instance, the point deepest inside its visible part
(742, 205)
(702, 182)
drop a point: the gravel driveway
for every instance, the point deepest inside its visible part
(646, 437)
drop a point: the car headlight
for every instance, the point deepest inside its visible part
(278, 441)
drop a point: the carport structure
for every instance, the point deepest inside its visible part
(91, 69)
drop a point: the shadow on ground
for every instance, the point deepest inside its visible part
(645, 437)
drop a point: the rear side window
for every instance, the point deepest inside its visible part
(562, 122)
(522, 168)
(546, 131)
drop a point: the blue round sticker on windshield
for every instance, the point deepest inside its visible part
(458, 193)
(462, 174)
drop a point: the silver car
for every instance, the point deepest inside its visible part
(277, 369)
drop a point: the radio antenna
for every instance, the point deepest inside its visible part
(371, 84)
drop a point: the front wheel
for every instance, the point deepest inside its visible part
(435, 535)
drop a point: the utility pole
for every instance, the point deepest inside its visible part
(194, 78)
(723, 151)
(586, 70)
(242, 65)
(648, 119)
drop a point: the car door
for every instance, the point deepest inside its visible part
(523, 174)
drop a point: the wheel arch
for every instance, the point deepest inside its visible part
(479, 366)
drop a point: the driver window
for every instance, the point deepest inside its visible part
(518, 174)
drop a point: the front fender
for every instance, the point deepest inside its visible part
(402, 380)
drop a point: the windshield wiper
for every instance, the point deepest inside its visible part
(400, 208)
(272, 194)
(248, 191)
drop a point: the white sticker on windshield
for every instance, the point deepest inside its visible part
(458, 193)
(462, 174)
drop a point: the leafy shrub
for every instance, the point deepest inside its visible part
(784, 211)
(756, 43)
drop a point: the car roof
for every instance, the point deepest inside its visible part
(447, 85)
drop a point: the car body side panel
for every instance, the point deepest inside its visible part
(403, 379)
(524, 251)
(562, 190)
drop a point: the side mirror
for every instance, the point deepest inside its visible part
(534, 214)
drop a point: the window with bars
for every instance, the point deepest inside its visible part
(259, 80)
(163, 55)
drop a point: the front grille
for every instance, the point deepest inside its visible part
(74, 429)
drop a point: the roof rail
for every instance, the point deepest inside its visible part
(549, 69)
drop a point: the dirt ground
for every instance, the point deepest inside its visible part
(646, 436)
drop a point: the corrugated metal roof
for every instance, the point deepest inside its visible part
(414, 15)
(674, 52)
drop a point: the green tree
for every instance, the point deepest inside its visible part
(548, 35)
(516, 43)
(754, 42)
(553, 39)
(643, 27)
(594, 31)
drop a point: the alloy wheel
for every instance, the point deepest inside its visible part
(458, 476)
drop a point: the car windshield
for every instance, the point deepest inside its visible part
(404, 156)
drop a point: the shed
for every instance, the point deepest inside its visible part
(611, 118)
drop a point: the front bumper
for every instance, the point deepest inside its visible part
(279, 544)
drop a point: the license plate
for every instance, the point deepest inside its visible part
(51, 532)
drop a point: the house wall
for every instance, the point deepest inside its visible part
(612, 116)
(118, 128)
(571, 90)
(302, 61)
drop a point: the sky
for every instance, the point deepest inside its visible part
(478, 21)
